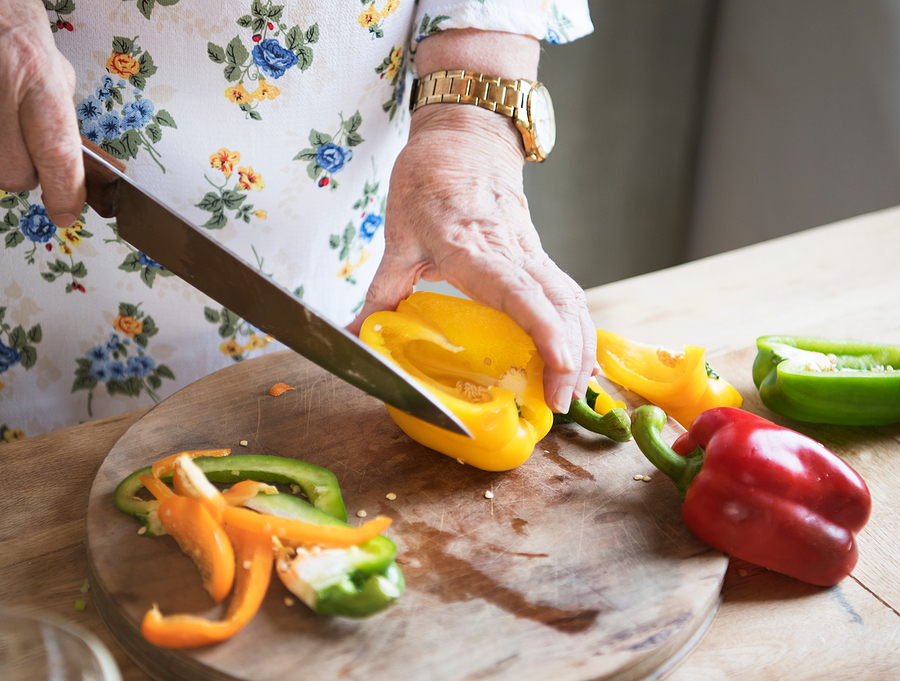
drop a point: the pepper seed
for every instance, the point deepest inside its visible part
(646, 478)
(244, 443)
(390, 495)
(488, 494)
(639, 476)
(288, 601)
(361, 514)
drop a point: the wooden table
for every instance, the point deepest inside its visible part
(841, 280)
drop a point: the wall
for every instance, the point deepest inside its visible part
(802, 123)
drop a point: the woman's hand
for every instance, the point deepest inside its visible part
(38, 128)
(457, 212)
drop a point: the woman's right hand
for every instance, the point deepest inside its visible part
(38, 127)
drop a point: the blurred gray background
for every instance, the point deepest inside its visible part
(691, 127)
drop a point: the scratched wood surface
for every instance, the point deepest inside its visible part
(573, 570)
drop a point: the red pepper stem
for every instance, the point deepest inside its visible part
(647, 423)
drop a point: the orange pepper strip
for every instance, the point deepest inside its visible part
(279, 389)
(163, 466)
(203, 539)
(299, 531)
(254, 557)
(245, 490)
(156, 487)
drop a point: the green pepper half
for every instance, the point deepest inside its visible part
(824, 380)
(357, 581)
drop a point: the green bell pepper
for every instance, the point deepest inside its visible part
(823, 380)
(357, 581)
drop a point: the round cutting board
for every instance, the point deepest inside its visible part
(572, 570)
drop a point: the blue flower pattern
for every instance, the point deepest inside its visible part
(36, 225)
(273, 59)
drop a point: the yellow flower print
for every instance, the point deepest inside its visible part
(255, 343)
(390, 7)
(122, 64)
(224, 160)
(363, 256)
(130, 326)
(65, 249)
(265, 91)
(78, 225)
(261, 214)
(396, 61)
(369, 17)
(11, 435)
(345, 271)
(249, 179)
(238, 94)
(231, 348)
(2, 193)
(71, 236)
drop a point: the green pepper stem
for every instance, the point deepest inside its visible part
(614, 424)
(647, 423)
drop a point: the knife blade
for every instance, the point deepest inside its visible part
(184, 249)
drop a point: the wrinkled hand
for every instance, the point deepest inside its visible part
(456, 211)
(38, 128)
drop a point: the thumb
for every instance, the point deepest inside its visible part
(393, 282)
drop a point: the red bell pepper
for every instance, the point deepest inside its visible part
(766, 494)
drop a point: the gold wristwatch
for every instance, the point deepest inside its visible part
(527, 103)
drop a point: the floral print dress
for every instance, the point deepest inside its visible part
(273, 126)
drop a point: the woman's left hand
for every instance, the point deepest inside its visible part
(457, 212)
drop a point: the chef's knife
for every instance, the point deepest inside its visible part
(179, 246)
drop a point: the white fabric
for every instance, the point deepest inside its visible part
(306, 106)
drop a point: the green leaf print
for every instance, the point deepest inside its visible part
(164, 118)
(215, 53)
(122, 45)
(235, 52)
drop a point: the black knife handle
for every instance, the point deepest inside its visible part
(102, 184)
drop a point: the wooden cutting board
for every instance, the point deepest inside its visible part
(572, 571)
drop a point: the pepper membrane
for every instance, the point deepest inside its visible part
(477, 362)
(762, 493)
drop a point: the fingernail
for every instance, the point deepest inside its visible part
(563, 399)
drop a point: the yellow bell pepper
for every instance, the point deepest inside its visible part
(477, 362)
(681, 385)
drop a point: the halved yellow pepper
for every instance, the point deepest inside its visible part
(679, 384)
(477, 362)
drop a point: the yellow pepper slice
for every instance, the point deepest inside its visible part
(477, 362)
(603, 401)
(679, 384)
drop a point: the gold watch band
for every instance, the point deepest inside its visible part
(500, 95)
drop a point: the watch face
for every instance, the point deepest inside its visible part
(543, 119)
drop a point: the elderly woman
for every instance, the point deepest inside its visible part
(285, 131)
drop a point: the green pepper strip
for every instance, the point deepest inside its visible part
(318, 484)
(372, 580)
